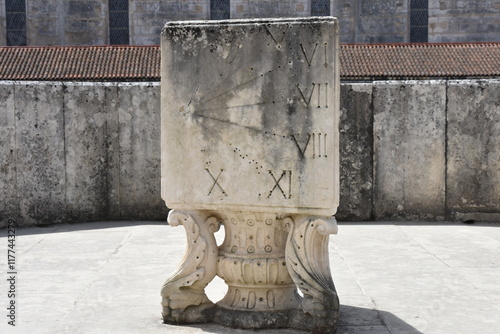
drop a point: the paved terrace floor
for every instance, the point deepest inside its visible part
(105, 277)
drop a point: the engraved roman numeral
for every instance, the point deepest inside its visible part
(306, 99)
(321, 90)
(302, 151)
(281, 183)
(216, 182)
(277, 32)
(318, 144)
(309, 59)
(326, 59)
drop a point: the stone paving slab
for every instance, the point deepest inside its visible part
(105, 277)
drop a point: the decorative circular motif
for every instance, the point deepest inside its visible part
(268, 249)
(251, 249)
(269, 221)
(234, 249)
(233, 221)
(250, 222)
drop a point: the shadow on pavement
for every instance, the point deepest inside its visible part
(58, 228)
(353, 320)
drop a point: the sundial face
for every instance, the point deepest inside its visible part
(250, 115)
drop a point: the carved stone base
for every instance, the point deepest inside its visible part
(294, 318)
(263, 260)
(184, 299)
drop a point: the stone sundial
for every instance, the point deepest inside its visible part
(250, 140)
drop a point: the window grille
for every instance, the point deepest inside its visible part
(219, 9)
(15, 17)
(118, 22)
(419, 21)
(320, 7)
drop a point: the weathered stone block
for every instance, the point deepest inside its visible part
(85, 123)
(473, 182)
(254, 122)
(356, 152)
(112, 140)
(250, 114)
(9, 203)
(409, 150)
(41, 173)
(139, 138)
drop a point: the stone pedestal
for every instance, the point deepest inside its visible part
(250, 140)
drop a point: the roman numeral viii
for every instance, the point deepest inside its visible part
(315, 140)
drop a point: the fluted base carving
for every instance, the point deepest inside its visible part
(265, 260)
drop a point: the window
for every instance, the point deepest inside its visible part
(15, 17)
(118, 22)
(320, 7)
(219, 9)
(419, 21)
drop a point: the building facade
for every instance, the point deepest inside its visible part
(139, 22)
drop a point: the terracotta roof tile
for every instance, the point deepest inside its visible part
(449, 60)
(357, 62)
(83, 63)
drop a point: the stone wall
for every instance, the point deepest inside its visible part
(387, 21)
(147, 17)
(464, 21)
(409, 129)
(79, 152)
(72, 152)
(473, 150)
(372, 21)
(269, 8)
(67, 22)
